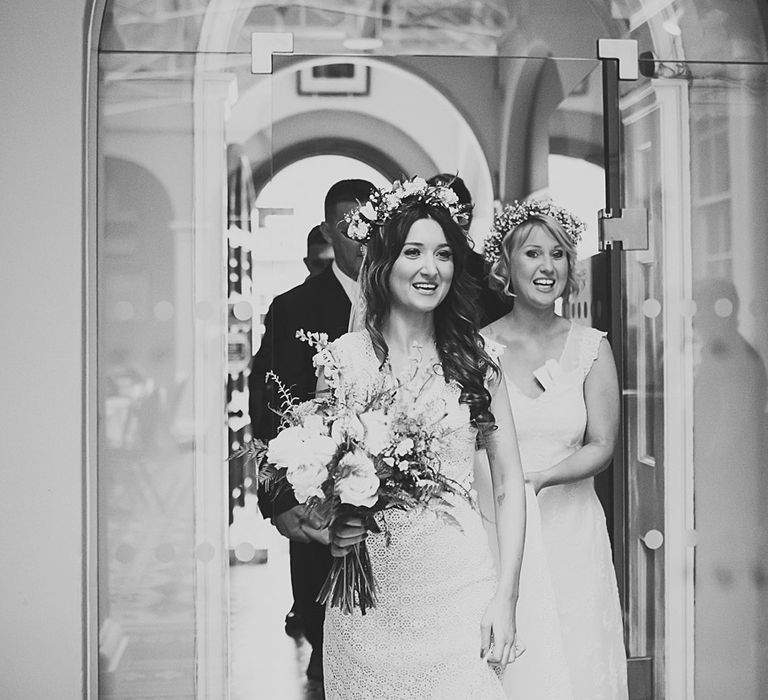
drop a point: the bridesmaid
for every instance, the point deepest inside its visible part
(562, 384)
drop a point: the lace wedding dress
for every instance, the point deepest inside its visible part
(577, 654)
(435, 577)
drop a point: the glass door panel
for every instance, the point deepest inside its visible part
(193, 244)
(729, 350)
(419, 115)
(695, 157)
(166, 287)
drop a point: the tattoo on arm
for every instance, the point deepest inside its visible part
(500, 498)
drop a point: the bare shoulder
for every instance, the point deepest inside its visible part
(496, 330)
(506, 332)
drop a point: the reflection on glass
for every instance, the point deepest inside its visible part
(145, 358)
(731, 495)
(730, 347)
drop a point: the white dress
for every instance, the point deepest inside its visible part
(576, 548)
(435, 578)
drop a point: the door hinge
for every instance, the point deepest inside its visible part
(626, 226)
(263, 45)
(625, 51)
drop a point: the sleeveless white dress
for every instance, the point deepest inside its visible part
(569, 563)
(435, 578)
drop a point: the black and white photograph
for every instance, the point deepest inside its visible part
(384, 349)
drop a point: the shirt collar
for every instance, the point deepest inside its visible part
(349, 285)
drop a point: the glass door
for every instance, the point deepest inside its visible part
(174, 238)
(726, 346)
(194, 243)
(199, 122)
(402, 117)
(690, 308)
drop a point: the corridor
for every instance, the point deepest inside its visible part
(265, 663)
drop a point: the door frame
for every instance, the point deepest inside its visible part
(669, 98)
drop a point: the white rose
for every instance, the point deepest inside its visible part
(415, 186)
(448, 196)
(404, 447)
(297, 446)
(358, 484)
(307, 481)
(358, 230)
(315, 424)
(391, 200)
(287, 449)
(377, 434)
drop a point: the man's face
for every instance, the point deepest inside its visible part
(347, 253)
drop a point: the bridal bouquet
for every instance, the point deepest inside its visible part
(344, 459)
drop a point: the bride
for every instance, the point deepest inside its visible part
(444, 623)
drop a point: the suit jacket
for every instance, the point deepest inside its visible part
(319, 304)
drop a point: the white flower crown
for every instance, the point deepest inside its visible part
(512, 215)
(382, 203)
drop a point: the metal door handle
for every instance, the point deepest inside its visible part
(653, 539)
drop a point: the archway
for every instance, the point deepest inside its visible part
(424, 131)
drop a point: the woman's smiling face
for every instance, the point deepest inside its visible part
(422, 274)
(539, 268)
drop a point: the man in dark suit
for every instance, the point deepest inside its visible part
(319, 251)
(322, 303)
(491, 306)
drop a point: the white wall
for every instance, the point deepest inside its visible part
(41, 299)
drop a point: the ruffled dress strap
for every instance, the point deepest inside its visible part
(495, 350)
(589, 347)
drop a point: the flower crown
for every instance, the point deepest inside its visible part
(512, 215)
(382, 203)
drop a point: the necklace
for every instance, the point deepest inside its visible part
(417, 362)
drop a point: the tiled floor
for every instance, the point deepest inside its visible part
(265, 663)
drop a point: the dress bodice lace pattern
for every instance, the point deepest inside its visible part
(435, 577)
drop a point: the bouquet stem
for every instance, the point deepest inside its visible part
(350, 582)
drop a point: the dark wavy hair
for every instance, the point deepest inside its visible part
(460, 346)
(500, 276)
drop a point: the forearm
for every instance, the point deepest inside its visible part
(509, 505)
(589, 460)
(601, 398)
(508, 488)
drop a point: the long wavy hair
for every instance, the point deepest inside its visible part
(460, 346)
(500, 276)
